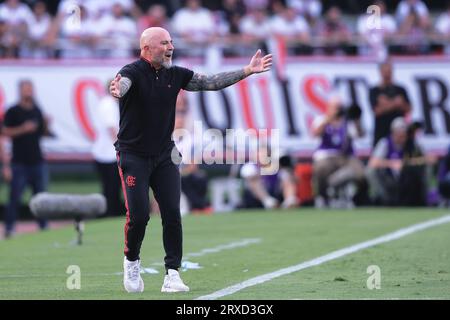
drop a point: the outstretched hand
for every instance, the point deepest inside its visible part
(114, 88)
(259, 64)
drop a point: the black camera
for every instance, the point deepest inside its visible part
(351, 112)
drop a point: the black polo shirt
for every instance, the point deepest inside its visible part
(147, 110)
(26, 148)
(383, 122)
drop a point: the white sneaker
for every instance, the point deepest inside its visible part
(173, 282)
(132, 280)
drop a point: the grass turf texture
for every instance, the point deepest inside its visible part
(33, 266)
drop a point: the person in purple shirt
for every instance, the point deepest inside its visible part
(397, 168)
(334, 162)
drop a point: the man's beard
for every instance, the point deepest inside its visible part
(167, 64)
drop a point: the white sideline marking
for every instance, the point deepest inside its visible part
(328, 257)
(228, 246)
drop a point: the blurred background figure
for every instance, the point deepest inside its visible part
(194, 24)
(25, 125)
(333, 32)
(268, 191)
(406, 7)
(14, 19)
(386, 163)
(255, 26)
(308, 9)
(156, 16)
(337, 173)
(375, 36)
(78, 35)
(117, 32)
(389, 101)
(290, 27)
(104, 153)
(38, 43)
(194, 181)
(444, 178)
(397, 168)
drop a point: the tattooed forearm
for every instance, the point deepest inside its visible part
(124, 86)
(215, 82)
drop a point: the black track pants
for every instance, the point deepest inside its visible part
(162, 175)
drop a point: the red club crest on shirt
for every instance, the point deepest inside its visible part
(131, 181)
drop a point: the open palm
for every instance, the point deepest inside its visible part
(259, 63)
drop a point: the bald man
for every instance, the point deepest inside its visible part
(147, 90)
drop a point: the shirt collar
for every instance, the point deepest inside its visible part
(149, 63)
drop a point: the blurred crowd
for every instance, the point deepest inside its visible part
(397, 172)
(109, 28)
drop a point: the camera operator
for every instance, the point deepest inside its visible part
(334, 164)
(397, 167)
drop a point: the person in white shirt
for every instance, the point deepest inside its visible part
(442, 27)
(15, 16)
(79, 36)
(255, 26)
(308, 9)
(290, 26)
(104, 153)
(15, 13)
(194, 23)
(39, 25)
(376, 32)
(405, 7)
(117, 33)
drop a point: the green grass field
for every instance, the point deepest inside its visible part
(33, 266)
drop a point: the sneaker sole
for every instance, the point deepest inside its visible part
(139, 290)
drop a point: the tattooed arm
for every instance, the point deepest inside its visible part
(215, 82)
(222, 80)
(119, 86)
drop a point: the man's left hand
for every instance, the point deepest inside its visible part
(258, 63)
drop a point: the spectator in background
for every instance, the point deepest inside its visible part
(4, 157)
(194, 181)
(156, 16)
(255, 26)
(25, 125)
(444, 176)
(337, 173)
(388, 101)
(95, 8)
(4, 47)
(117, 33)
(104, 153)
(15, 15)
(442, 27)
(79, 36)
(289, 26)
(376, 33)
(417, 168)
(406, 7)
(233, 11)
(443, 21)
(308, 9)
(38, 42)
(194, 24)
(268, 191)
(334, 32)
(252, 5)
(414, 33)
